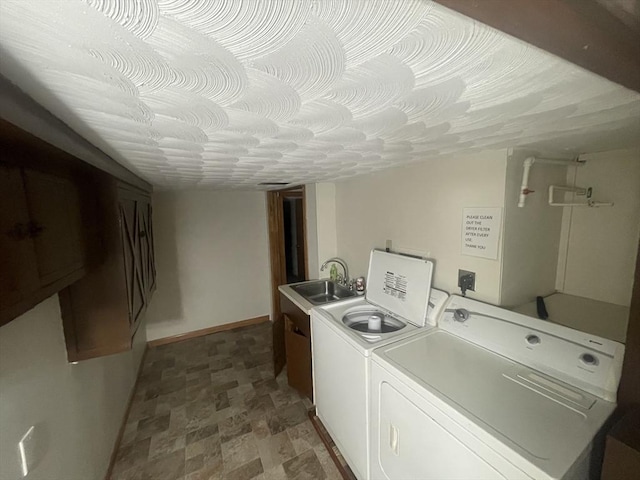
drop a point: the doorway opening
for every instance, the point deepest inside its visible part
(288, 255)
(294, 249)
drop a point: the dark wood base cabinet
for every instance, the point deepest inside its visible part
(297, 339)
(70, 228)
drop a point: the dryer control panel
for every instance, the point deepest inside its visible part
(588, 362)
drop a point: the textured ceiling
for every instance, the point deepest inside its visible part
(235, 93)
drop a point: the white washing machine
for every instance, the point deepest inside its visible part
(491, 394)
(399, 302)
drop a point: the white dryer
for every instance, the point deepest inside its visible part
(399, 303)
(490, 394)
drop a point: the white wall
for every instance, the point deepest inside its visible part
(77, 409)
(212, 260)
(599, 245)
(311, 226)
(532, 233)
(420, 208)
(321, 226)
(326, 216)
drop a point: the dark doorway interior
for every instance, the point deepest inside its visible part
(293, 239)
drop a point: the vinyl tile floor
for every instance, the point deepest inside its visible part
(209, 408)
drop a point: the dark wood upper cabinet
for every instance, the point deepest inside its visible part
(18, 267)
(42, 248)
(70, 228)
(137, 246)
(102, 311)
(56, 223)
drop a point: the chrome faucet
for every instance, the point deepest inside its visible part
(344, 280)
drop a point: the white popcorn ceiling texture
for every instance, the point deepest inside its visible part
(230, 94)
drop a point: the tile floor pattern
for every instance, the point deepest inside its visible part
(209, 408)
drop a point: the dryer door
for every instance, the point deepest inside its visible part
(420, 442)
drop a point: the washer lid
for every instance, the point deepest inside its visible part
(400, 284)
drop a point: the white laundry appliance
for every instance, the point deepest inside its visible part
(491, 394)
(399, 302)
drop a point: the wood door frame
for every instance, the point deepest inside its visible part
(276, 246)
(275, 219)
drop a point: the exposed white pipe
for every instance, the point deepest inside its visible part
(524, 188)
(528, 163)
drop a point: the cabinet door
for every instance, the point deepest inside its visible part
(56, 221)
(151, 261)
(297, 346)
(95, 309)
(19, 275)
(145, 232)
(129, 225)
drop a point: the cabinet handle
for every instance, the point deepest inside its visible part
(35, 229)
(20, 231)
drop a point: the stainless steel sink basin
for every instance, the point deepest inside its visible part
(323, 291)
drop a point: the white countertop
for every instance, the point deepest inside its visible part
(301, 302)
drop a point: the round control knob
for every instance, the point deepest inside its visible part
(533, 339)
(589, 359)
(461, 315)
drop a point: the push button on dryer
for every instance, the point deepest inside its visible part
(461, 315)
(533, 339)
(589, 359)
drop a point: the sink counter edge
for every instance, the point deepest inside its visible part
(298, 300)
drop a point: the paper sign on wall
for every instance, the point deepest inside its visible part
(481, 232)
